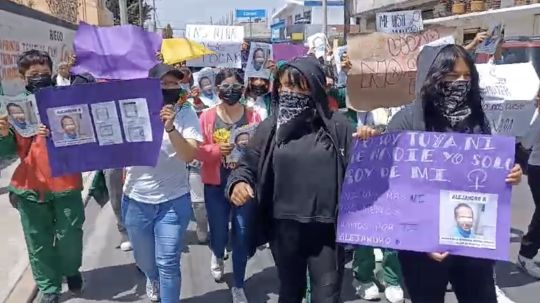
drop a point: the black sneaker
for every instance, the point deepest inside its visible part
(75, 283)
(49, 298)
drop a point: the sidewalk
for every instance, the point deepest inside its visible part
(17, 284)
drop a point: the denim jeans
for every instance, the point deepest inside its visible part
(156, 232)
(220, 211)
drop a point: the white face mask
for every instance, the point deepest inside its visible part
(185, 86)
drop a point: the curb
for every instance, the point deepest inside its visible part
(25, 290)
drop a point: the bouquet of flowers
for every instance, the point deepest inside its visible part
(222, 136)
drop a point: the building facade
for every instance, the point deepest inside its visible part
(74, 11)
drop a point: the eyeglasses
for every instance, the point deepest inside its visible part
(233, 86)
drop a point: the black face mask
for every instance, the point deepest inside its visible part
(259, 90)
(171, 95)
(230, 95)
(37, 82)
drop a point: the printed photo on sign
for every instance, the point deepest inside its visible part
(240, 137)
(22, 114)
(205, 79)
(489, 46)
(468, 219)
(318, 44)
(259, 55)
(107, 124)
(71, 125)
(339, 57)
(136, 120)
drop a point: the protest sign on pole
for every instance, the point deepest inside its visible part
(118, 52)
(22, 113)
(259, 54)
(383, 72)
(509, 92)
(99, 125)
(401, 22)
(489, 45)
(225, 41)
(412, 191)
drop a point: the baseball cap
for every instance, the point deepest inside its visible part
(160, 70)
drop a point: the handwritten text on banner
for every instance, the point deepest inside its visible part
(409, 190)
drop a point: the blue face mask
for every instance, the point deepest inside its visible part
(21, 125)
(463, 233)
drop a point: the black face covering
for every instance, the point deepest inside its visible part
(454, 106)
(171, 96)
(37, 82)
(230, 95)
(259, 90)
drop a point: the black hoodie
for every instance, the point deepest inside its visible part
(257, 169)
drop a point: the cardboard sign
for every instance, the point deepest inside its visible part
(225, 41)
(401, 22)
(509, 92)
(429, 192)
(383, 70)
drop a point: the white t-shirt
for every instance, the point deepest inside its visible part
(258, 106)
(169, 179)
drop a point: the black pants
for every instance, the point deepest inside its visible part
(299, 247)
(530, 244)
(426, 279)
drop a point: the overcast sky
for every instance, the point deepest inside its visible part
(180, 12)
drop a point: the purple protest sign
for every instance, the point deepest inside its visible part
(288, 51)
(429, 192)
(102, 125)
(117, 52)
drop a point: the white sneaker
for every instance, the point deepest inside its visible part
(238, 295)
(394, 294)
(217, 267)
(501, 296)
(529, 266)
(126, 246)
(152, 290)
(368, 291)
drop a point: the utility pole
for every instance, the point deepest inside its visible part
(347, 20)
(325, 17)
(141, 13)
(154, 11)
(123, 12)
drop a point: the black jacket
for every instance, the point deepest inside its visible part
(255, 166)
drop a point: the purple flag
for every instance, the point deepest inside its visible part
(429, 192)
(118, 52)
(102, 125)
(287, 51)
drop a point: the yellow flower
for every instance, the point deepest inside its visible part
(222, 135)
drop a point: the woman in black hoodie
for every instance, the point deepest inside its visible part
(449, 100)
(294, 167)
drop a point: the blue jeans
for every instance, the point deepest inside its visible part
(220, 211)
(156, 232)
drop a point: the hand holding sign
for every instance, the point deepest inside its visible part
(4, 127)
(514, 177)
(43, 131)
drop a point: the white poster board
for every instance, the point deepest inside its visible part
(225, 41)
(318, 44)
(22, 113)
(259, 54)
(509, 92)
(338, 55)
(402, 22)
(19, 34)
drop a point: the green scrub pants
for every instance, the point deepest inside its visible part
(364, 266)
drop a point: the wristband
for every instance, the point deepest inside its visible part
(170, 130)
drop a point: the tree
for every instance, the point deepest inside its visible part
(133, 11)
(167, 32)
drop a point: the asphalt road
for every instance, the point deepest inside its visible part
(111, 276)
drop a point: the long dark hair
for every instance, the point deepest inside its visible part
(432, 91)
(249, 87)
(228, 73)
